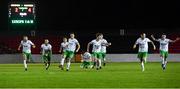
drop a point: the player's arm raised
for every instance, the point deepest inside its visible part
(173, 41)
(154, 39)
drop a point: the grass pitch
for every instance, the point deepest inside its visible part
(114, 75)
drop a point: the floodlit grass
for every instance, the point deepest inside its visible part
(114, 75)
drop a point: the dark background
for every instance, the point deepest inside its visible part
(86, 17)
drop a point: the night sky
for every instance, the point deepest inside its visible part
(96, 14)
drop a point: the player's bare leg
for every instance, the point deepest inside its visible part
(68, 64)
(104, 61)
(100, 63)
(142, 64)
(62, 63)
(48, 64)
(94, 62)
(25, 62)
(97, 64)
(165, 63)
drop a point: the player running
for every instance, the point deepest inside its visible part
(73, 46)
(63, 50)
(143, 48)
(164, 43)
(26, 50)
(96, 50)
(46, 50)
(103, 49)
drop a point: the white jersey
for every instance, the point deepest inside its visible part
(72, 44)
(103, 47)
(164, 44)
(46, 48)
(64, 46)
(96, 45)
(143, 44)
(86, 56)
(26, 46)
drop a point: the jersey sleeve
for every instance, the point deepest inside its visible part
(168, 40)
(42, 46)
(21, 43)
(31, 42)
(50, 47)
(61, 44)
(77, 42)
(148, 40)
(91, 42)
(158, 40)
(137, 41)
(105, 41)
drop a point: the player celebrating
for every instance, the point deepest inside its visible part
(86, 60)
(46, 50)
(164, 43)
(96, 50)
(26, 50)
(63, 50)
(103, 49)
(72, 44)
(143, 48)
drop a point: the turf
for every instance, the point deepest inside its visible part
(114, 75)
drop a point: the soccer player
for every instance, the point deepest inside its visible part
(143, 48)
(103, 49)
(63, 50)
(96, 50)
(26, 50)
(164, 43)
(73, 46)
(46, 50)
(86, 60)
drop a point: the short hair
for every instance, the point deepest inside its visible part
(98, 34)
(71, 33)
(64, 37)
(25, 36)
(163, 34)
(46, 39)
(143, 33)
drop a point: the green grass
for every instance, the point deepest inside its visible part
(114, 75)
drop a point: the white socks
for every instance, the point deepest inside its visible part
(163, 62)
(25, 64)
(142, 66)
(104, 59)
(62, 61)
(68, 64)
(99, 62)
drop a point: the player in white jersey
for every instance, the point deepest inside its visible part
(86, 60)
(143, 48)
(73, 46)
(46, 50)
(63, 50)
(164, 46)
(103, 49)
(26, 50)
(96, 50)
